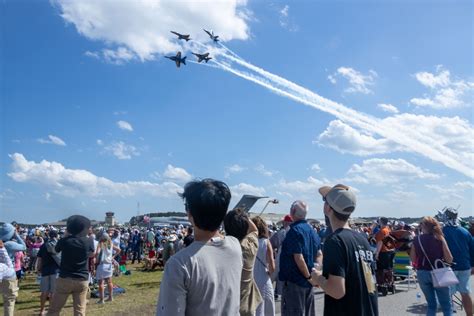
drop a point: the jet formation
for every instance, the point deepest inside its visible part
(201, 57)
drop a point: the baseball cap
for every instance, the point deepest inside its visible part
(287, 218)
(339, 197)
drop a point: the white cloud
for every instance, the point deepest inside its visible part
(120, 112)
(126, 126)
(76, 182)
(284, 11)
(451, 136)
(358, 82)
(346, 139)
(122, 150)
(55, 140)
(388, 108)
(378, 171)
(95, 55)
(47, 196)
(245, 188)
(445, 93)
(315, 167)
(177, 174)
(148, 24)
(285, 20)
(284, 194)
(311, 185)
(432, 81)
(100, 142)
(445, 193)
(400, 195)
(235, 168)
(465, 185)
(261, 169)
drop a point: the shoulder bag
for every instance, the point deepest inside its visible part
(442, 277)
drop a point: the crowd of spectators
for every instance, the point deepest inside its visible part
(229, 263)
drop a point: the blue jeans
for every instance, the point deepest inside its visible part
(430, 292)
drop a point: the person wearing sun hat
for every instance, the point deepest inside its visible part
(347, 277)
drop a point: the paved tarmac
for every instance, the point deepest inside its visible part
(403, 302)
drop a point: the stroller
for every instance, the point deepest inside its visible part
(398, 240)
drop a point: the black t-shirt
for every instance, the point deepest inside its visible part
(75, 252)
(342, 254)
(48, 264)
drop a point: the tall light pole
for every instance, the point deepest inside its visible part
(274, 201)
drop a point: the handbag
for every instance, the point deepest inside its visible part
(441, 277)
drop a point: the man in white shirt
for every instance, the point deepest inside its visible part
(203, 278)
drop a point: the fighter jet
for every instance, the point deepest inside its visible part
(211, 35)
(177, 59)
(202, 57)
(181, 36)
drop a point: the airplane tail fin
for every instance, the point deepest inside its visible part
(184, 60)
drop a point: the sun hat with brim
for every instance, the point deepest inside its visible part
(339, 197)
(6, 231)
(172, 238)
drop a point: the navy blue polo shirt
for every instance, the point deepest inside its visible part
(300, 239)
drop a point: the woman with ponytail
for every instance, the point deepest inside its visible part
(428, 247)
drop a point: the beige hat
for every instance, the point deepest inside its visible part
(339, 198)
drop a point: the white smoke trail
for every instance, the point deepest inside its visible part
(425, 146)
(356, 118)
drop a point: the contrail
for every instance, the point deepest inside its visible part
(356, 118)
(425, 146)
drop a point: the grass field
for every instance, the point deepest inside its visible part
(140, 298)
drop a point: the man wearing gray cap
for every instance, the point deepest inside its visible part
(347, 277)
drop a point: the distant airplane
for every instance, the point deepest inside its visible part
(181, 36)
(177, 59)
(202, 57)
(211, 35)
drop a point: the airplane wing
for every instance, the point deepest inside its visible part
(175, 33)
(208, 33)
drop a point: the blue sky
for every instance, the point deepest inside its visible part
(94, 119)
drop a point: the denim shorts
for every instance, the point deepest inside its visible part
(463, 286)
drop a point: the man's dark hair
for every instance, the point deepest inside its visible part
(78, 225)
(383, 221)
(53, 234)
(343, 217)
(236, 224)
(207, 201)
